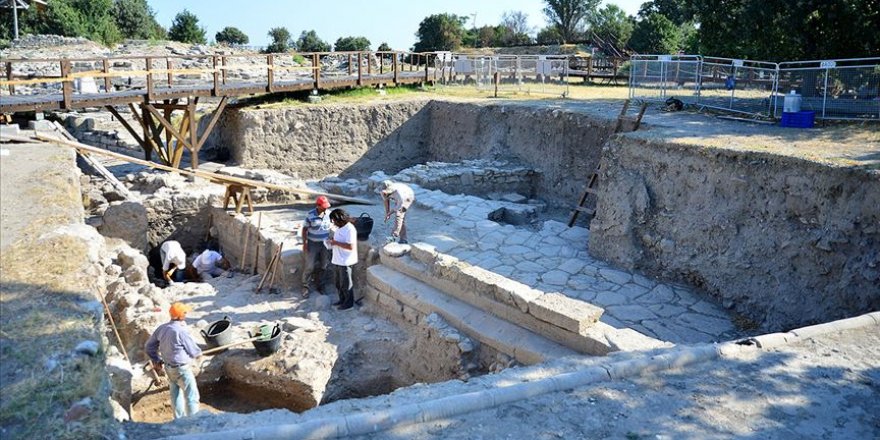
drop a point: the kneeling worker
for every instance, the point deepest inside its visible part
(173, 261)
(172, 348)
(210, 262)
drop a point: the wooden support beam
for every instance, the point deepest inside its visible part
(127, 126)
(156, 138)
(270, 72)
(108, 85)
(216, 178)
(166, 124)
(9, 77)
(216, 74)
(211, 124)
(67, 85)
(170, 65)
(148, 143)
(193, 135)
(149, 67)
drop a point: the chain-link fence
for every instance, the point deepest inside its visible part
(833, 89)
(540, 74)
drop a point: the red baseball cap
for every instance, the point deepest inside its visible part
(322, 202)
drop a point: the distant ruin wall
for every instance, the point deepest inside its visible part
(565, 146)
(316, 141)
(781, 240)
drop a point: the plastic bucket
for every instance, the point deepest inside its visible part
(364, 226)
(218, 333)
(266, 347)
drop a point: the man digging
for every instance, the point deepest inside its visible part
(171, 348)
(316, 229)
(403, 198)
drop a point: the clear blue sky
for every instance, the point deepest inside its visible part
(391, 21)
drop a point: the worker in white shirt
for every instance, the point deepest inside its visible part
(173, 261)
(403, 197)
(210, 262)
(345, 256)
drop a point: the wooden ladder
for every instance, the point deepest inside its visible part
(591, 183)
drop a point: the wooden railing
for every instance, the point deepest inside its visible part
(34, 83)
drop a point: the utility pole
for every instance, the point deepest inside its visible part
(15, 18)
(474, 20)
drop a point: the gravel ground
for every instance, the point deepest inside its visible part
(826, 387)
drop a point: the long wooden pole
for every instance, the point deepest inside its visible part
(259, 239)
(217, 178)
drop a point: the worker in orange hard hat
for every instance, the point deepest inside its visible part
(172, 348)
(316, 257)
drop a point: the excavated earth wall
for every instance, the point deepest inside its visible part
(316, 141)
(784, 241)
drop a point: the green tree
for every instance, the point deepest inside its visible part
(440, 32)
(384, 47)
(656, 34)
(568, 16)
(549, 35)
(185, 29)
(310, 42)
(282, 41)
(231, 35)
(92, 19)
(612, 24)
(677, 11)
(351, 44)
(135, 19)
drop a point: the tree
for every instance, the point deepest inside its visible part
(656, 34)
(282, 41)
(677, 11)
(185, 29)
(440, 32)
(611, 24)
(516, 28)
(384, 47)
(310, 42)
(92, 19)
(568, 15)
(549, 35)
(232, 35)
(351, 44)
(135, 19)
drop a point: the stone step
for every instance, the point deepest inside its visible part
(567, 321)
(391, 289)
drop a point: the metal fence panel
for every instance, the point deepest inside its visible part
(542, 74)
(659, 77)
(834, 89)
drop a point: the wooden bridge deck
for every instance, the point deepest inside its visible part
(213, 78)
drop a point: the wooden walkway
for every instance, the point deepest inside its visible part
(99, 82)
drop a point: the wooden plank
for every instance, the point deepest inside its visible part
(108, 86)
(168, 126)
(213, 177)
(127, 126)
(67, 85)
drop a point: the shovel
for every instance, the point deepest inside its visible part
(265, 335)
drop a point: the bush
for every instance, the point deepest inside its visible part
(231, 35)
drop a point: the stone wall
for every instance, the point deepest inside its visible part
(565, 146)
(317, 141)
(784, 241)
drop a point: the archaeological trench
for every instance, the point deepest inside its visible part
(689, 245)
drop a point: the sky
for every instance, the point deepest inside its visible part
(391, 21)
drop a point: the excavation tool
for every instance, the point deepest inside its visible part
(259, 241)
(264, 333)
(270, 268)
(247, 236)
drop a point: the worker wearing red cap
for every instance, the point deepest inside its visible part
(171, 348)
(316, 256)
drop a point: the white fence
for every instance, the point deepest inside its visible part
(834, 89)
(529, 73)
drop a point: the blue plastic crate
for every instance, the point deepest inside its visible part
(804, 119)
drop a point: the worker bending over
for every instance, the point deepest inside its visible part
(403, 198)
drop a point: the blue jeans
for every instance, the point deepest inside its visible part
(186, 403)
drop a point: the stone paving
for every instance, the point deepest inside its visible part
(552, 257)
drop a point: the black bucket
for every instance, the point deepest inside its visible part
(218, 333)
(266, 347)
(364, 226)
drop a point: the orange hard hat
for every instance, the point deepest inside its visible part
(178, 310)
(322, 202)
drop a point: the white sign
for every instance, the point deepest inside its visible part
(737, 63)
(664, 57)
(827, 64)
(464, 65)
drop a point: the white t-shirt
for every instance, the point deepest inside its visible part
(345, 257)
(402, 195)
(206, 261)
(172, 253)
